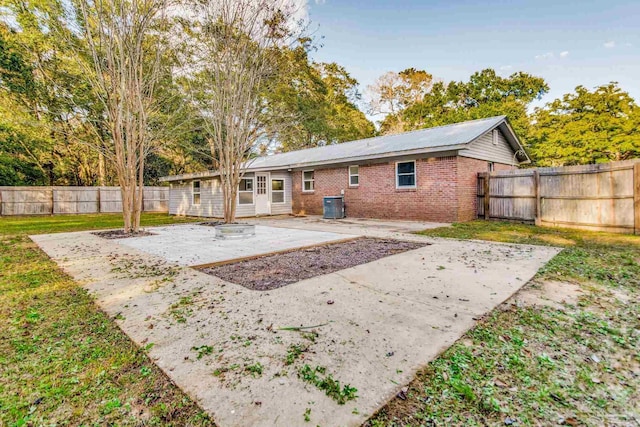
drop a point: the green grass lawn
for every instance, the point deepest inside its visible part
(63, 362)
(526, 365)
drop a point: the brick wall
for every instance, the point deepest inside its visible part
(446, 191)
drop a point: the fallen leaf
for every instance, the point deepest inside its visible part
(499, 383)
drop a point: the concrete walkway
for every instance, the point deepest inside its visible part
(388, 318)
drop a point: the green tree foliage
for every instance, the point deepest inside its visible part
(48, 109)
(485, 94)
(586, 127)
(393, 92)
(51, 122)
(314, 104)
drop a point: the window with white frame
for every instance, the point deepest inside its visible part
(277, 191)
(308, 182)
(406, 174)
(195, 191)
(245, 191)
(354, 176)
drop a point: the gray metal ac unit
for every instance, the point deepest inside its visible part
(333, 207)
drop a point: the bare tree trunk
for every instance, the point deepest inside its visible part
(236, 58)
(101, 170)
(125, 47)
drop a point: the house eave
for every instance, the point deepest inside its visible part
(442, 150)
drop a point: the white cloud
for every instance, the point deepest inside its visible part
(547, 55)
(610, 44)
(564, 54)
(628, 45)
(506, 68)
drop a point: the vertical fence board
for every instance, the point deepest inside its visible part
(74, 200)
(636, 198)
(596, 197)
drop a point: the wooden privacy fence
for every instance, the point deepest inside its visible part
(598, 197)
(75, 200)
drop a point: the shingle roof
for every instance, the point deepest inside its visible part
(437, 139)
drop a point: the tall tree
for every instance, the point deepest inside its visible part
(313, 104)
(125, 45)
(586, 127)
(237, 52)
(39, 78)
(393, 92)
(485, 94)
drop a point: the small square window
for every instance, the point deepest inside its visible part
(277, 191)
(195, 191)
(354, 176)
(246, 184)
(245, 191)
(308, 181)
(406, 174)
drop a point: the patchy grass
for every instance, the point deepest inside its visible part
(65, 223)
(579, 365)
(63, 361)
(294, 352)
(325, 382)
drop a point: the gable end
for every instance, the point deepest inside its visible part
(492, 146)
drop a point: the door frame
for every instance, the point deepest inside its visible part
(267, 194)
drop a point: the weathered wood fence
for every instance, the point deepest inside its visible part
(602, 197)
(75, 200)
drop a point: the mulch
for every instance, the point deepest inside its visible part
(277, 270)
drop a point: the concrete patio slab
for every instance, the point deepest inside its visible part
(360, 226)
(388, 318)
(192, 244)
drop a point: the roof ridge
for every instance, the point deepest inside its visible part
(386, 136)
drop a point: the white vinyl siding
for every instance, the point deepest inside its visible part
(211, 201)
(181, 199)
(492, 147)
(282, 208)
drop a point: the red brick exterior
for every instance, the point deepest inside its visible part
(445, 191)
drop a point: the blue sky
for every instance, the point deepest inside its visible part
(569, 43)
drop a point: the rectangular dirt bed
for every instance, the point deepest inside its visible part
(277, 270)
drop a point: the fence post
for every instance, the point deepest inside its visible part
(536, 188)
(53, 200)
(99, 210)
(636, 198)
(487, 198)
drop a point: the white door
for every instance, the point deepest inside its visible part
(263, 206)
